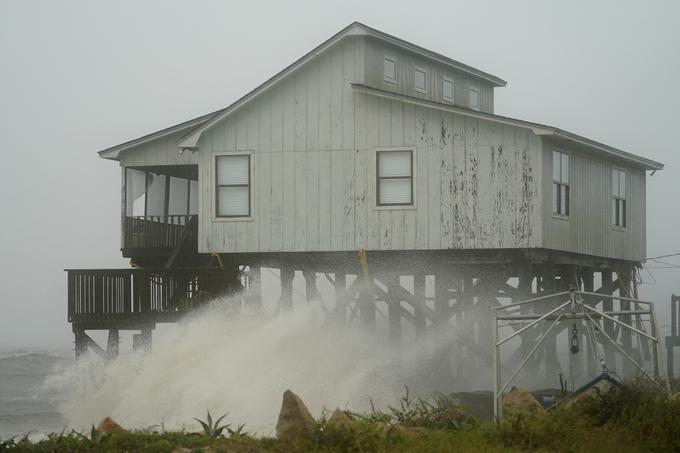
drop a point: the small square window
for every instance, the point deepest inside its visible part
(419, 81)
(447, 90)
(390, 70)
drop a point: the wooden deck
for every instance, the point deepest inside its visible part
(128, 298)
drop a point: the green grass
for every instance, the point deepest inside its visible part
(636, 417)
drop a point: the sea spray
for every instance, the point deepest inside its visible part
(241, 364)
(224, 364)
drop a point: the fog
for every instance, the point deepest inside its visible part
(79, 76)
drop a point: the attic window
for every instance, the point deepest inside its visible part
(474, 98)
(447, 90)
(390, 70)
(619, 198)
(419, 81)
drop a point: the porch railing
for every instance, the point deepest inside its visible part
(153, 295)
(155, 231)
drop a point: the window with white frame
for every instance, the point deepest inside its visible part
(232, 185)
(560, 184)
(390, 70)
(394, 178)
(473, 95)
(447, 90)
(419, 81)
(619, 198)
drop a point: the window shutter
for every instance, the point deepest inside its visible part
(233, 201)
(232, 170)
(565, 168)
(615, 183)
(395, 191)
(394, 164)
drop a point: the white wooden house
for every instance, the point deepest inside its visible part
(371, 143)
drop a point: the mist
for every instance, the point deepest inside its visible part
(79, 76)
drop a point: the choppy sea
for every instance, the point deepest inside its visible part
(26, 405)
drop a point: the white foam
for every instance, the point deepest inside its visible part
(243, 366)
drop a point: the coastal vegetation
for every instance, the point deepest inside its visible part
(628, 418)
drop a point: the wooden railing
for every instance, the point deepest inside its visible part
(155, 231)
(140, 295)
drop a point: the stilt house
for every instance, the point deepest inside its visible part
(373, 157)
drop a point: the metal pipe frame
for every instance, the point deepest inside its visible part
(531, 324)
(530, 353)
(575, 315)
(621, 323)
(592, 327)
(608, 296)
(622, 351)
(528, 301)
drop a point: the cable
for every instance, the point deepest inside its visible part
(664, 256)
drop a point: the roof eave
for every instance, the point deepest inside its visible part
(538, 129)
(113, 152)
(647, 164)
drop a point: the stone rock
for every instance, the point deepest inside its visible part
(598, 389)
(410, 431)
(294, 418)
(339, 418)
(108, 426)
(521, 403)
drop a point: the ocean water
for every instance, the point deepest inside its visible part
(27, 405)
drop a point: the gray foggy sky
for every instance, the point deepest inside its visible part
(80, 76)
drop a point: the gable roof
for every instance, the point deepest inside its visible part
(195, 127)
(190, 140)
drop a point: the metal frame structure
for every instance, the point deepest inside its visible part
(575, 308)
(673, 340)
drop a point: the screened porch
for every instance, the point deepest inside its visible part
(160, 204)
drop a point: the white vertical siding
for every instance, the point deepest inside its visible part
(589, 228)
(314, 142)
(301, 134)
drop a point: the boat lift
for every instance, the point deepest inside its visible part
(572, 307)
